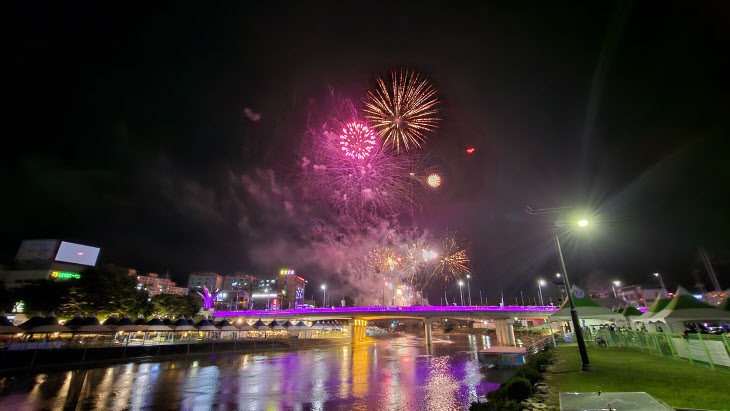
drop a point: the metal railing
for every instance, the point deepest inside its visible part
(705, 350)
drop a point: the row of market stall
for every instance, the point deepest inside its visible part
(672, 315)
(48, 332)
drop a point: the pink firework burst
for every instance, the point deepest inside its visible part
(357, 140)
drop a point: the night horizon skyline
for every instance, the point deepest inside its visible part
(170, 138)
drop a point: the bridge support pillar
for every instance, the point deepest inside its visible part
(427, 326)
(358, 331)
(505, 332)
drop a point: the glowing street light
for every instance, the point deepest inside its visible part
(661, 282)
(539, 287)
(461, 284)
(468, 277)
(615, 284)
(574, 314)
(324, 296)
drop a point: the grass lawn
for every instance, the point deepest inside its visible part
(674, 381)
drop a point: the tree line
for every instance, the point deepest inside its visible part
(102, 290)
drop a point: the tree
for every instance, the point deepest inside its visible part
(43, 295)
(172, 306)
(105, 290)
(349, 302)
(7, 298)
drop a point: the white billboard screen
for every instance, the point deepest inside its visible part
(77, 254)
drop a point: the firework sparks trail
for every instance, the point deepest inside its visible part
(453, 262)
(402, 113)
(362, 187)
(357, 140)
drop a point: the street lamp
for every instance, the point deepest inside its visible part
(468, 287)
(573, 314)
(324, 296)
(539, 287)
(661, 282)
(615, 284)
(266, 290)
(461, 284)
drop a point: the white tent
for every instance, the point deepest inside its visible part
(585, 307)
(685, 308)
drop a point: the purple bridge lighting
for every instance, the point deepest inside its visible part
(436, 311)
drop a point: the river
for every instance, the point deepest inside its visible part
(396, 374)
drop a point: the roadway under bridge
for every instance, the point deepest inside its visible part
(503, 317)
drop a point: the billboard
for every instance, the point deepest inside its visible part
(77, 254)
(36, 251)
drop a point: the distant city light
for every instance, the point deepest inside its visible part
(470, 150)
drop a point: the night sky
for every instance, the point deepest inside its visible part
(126, 128)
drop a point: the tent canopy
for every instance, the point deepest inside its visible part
(586, 309)
(684, 307)
(658, 305)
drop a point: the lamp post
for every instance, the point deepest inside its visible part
(266, 290)
(539, 287)
(661, 282)
(614, 285)
(324, 296)
(461, 284)
(573, 314)
(468, 287)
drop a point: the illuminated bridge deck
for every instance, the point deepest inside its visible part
(477, 312)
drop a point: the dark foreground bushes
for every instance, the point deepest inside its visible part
(517, 388)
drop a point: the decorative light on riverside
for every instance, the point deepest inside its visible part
(401, 113)
(208, 298)
(470, 150)
(434, 180)
(357, 140)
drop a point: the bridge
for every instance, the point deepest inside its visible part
(502, 316)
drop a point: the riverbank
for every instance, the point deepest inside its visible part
(674, 381)
(15, 362)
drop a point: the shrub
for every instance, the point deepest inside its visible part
(503, 405)
(528, 372)
(518, 389)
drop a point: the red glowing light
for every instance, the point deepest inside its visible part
(357, 140)
(470, 150)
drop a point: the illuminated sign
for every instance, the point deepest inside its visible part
(77, 254)
(65, 275)
(263, 295)
(285, 271)
(300, 279)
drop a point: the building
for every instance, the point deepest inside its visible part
(291, 289)
(50, 259)
(640, 296)
(236, 292)
(212, 281)
(238, 281)
(154, 284)
(264, 294)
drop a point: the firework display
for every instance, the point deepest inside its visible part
(367, 176)
(453, 263)
(403, 111)
(433, 180)
(357, 140)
